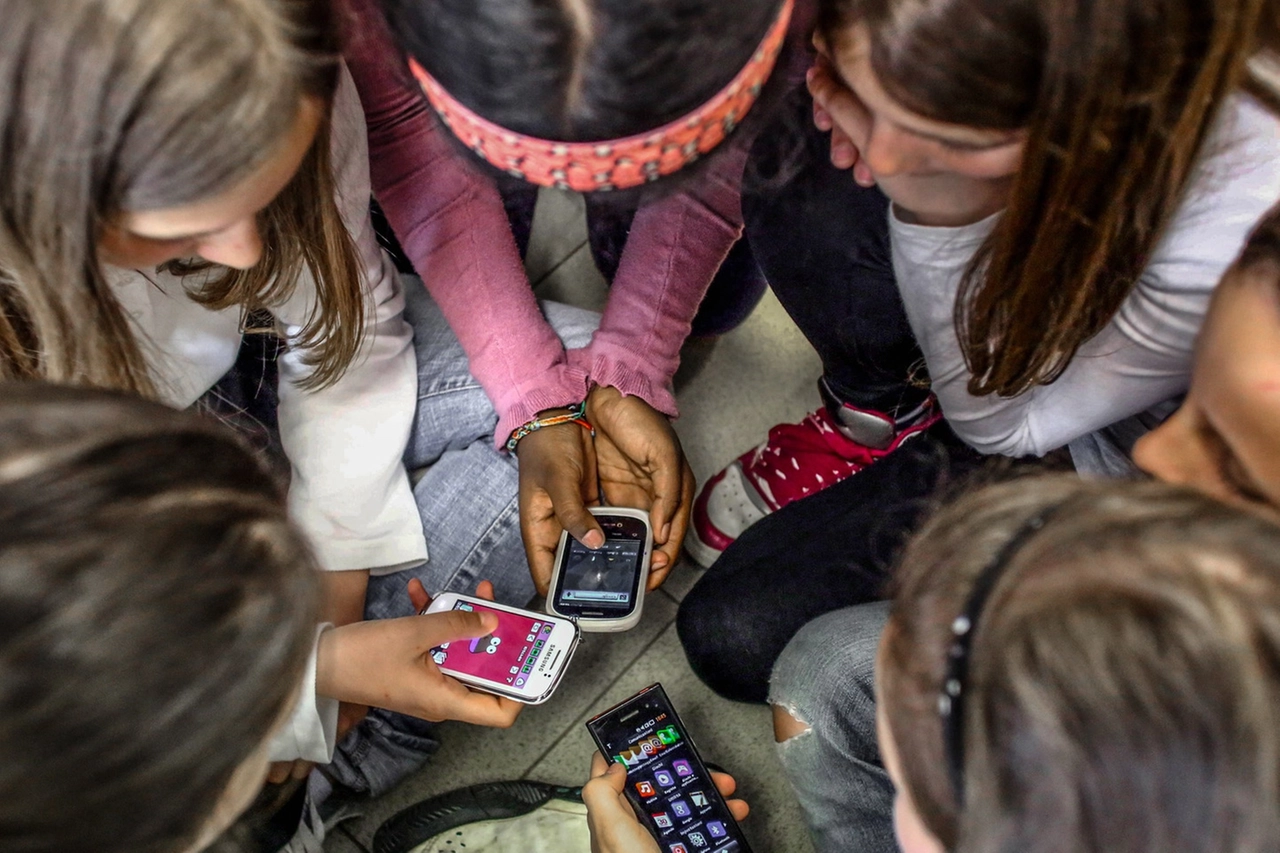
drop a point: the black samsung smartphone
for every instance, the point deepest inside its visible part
(666, 779)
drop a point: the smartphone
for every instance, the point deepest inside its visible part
(603, 590)
(667, 782)
(523, 659)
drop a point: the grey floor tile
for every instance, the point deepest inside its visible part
(339, 841)
(736, 736)
(732, 391)
(559, 229)
(469, 755)
(682, 578)
(575, 281)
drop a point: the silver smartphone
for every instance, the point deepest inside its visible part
(603, 590)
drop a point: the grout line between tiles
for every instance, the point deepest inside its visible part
(546, 275)
(350, 835)
(599, 696)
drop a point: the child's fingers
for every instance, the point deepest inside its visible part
(418, 596)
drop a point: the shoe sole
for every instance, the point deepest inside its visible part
(491, 801)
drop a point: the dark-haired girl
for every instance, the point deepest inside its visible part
(1042, 199)
(614, 98)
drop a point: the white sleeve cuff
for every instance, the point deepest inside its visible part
(311, 732)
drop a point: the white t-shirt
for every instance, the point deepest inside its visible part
(349, 491)
(1142, 358)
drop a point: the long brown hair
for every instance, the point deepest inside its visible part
(1117, 99)
(132, 105)
(1123, 691)
(157, 609)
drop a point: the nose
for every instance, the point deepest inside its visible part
(238, 247)
(889, 152)
(1174, 453)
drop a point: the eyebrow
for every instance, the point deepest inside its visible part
(178, 238)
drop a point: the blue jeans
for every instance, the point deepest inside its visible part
(467, 494)
(825, 678)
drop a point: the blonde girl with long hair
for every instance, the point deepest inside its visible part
(177, 176)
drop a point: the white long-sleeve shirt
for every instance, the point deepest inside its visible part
(349, 491)
(1142, 358)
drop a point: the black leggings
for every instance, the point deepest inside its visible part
(823, 244)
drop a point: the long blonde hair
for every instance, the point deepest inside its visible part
(133, 105)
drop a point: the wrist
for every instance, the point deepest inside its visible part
(576, 414)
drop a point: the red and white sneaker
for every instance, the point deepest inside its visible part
(795, 461)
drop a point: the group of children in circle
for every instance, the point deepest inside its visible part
(1012, 230)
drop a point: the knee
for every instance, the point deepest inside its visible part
(722, 639)
(785, 724)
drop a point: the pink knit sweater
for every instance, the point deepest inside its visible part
(450, 220)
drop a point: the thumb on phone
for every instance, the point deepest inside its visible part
(438, 628)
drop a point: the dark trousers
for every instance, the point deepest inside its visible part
(823, 244)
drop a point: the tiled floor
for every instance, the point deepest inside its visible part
(731, 391)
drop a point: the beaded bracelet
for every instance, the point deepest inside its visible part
(576, 415)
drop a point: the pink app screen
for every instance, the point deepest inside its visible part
(507, 656)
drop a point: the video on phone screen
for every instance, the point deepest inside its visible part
(507, 656)
(665, 781)
(605, 577)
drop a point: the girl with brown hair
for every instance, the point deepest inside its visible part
(1042, 199)
(179, 178)
(1073, 666)
(158, 610)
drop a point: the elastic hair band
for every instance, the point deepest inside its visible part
(619, 163)
(955, 683)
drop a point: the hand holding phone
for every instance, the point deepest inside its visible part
(522, 657)
(667, 782)
(603, 589)
(386, 663)
(612, 822)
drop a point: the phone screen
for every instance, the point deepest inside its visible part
(507, 656)
(605, 582)
(666, 780)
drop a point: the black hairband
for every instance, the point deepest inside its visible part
(951, 700)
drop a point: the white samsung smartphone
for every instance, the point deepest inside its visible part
(524, 659)
(603, 590)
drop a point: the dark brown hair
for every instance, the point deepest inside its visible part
(1124, 679)
(156, 613)
(114, 106)
(1117, 100)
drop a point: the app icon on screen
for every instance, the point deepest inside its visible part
(681, 808)
(716, 829)
(665, 779)
(697, 839)
(682, 768)
(699, 799)
(679, 848)
(520, 681)
(645, 789)
(662, 820)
